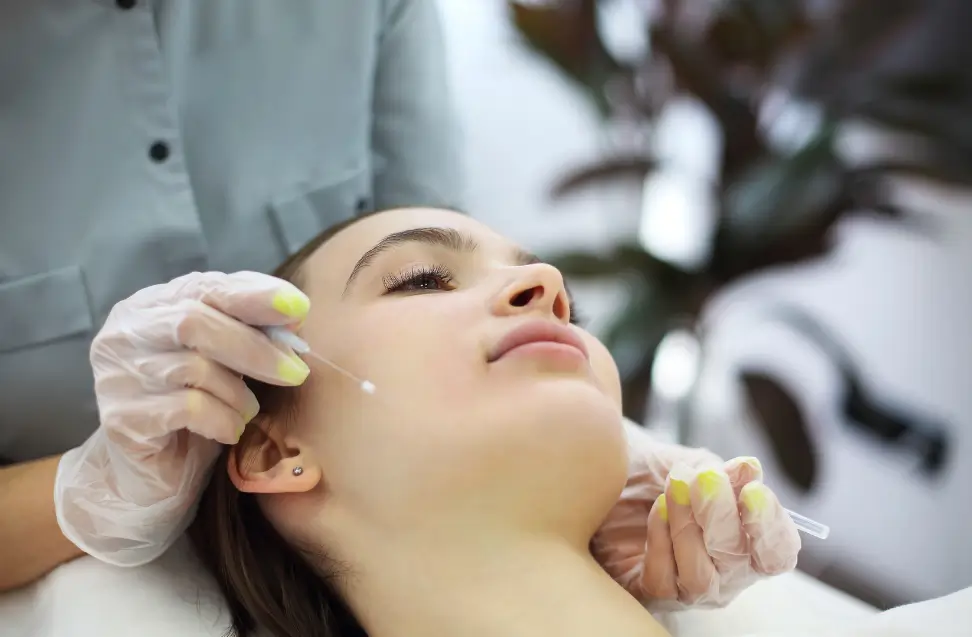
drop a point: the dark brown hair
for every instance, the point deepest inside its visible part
(268, 583)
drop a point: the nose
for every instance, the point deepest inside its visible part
(537, 288)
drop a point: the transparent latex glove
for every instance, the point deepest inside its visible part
(692, 530)
(168, 367)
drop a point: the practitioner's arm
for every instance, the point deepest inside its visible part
(31, 542)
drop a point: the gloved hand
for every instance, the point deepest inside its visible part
(692, 530)
(167, 369)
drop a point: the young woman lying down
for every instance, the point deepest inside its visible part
(488, 487)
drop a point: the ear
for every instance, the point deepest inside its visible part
(265, 461)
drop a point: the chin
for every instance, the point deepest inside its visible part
(577, 399)
(566, 443)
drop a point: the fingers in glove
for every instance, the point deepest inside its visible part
(697, 575)
(209, 417)
(185, 369)
(250, 297)
(238, 347)
(716, 511)
(149, 420)
(742, 471)
(774, 538)
(619, 545)
(210, 313)
(660, 575)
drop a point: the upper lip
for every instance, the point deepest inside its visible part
(537, 332)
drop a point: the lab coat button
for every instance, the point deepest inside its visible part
(159, 152)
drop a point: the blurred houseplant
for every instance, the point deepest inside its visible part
(773, 204)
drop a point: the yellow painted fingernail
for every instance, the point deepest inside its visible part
(292, 370)
(681, 493)
(251, 412)
(291, 302)
(239, 433)
(752, 462)
(662, 505)
(754, 497)
(710, 483)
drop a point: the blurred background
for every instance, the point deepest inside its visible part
(764, 208)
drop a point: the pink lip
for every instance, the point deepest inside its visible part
(537, 332)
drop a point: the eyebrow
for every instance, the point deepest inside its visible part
(447, 238)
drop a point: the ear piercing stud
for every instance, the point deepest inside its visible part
(298, 471)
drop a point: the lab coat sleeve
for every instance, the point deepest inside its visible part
(415, 137)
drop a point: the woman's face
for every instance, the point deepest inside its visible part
(423, 303)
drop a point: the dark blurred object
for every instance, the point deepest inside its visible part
(782, 421)
(906, 63)
(571, 41)
(892, 424)
(787, 429)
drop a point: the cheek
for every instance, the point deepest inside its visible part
(604, 367)
(418, 355)
(409, 345)
(425, 370)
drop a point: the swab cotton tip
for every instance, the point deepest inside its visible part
(299, 345)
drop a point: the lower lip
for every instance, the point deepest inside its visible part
(549, 350)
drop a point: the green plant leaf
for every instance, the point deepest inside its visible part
(655, 303)
(616, 168)
(625, 259)
(635, 333)
(851, 44)
(781, 197)
(699, 71)
(587, 265)
(938, 115)
(567, 34)
(756, 32)
(636, 259)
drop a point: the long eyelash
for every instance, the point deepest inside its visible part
(576, 317)
(393, 282)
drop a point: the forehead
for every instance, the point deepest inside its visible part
(331, 264)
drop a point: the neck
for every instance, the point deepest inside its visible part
(515, 587)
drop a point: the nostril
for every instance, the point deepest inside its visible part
(524, 298)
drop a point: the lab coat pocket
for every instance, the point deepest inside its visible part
(43, 307)
(301, 217)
